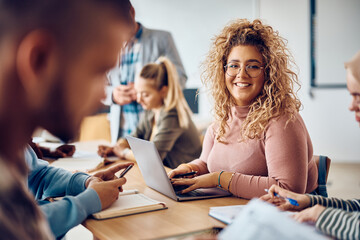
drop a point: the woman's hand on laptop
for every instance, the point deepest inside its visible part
(181, 169)
(204, 181)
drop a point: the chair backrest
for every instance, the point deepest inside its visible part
(323, 165)
(316, 158)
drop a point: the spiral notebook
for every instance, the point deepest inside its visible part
(130, 202)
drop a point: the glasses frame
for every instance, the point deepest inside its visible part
(246, 71)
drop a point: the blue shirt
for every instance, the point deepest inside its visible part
(45, 181)
(130, 61)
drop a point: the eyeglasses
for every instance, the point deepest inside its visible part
(253, 70)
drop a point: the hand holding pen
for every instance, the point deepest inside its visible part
(290, 200)
(286, 200)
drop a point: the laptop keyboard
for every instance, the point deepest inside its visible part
(193, 193)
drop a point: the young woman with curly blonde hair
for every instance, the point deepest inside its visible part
(258, 137)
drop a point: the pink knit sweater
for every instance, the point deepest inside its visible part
(283, 156)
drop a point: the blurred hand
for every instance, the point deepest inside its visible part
(105, 151)
(124, 94)
(204, 181)
(67, 149)
(108, 191)
(181, 169)
(62, 151)
(302, 199)
(118, 151)
(309, 215)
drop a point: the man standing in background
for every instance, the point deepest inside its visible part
(146, 46)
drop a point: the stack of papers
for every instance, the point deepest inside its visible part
(261, 220)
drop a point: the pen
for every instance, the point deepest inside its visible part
(291, 201)
(122, 174)
(185, 174)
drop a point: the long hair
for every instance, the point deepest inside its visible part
(277, 97)
(163, 73)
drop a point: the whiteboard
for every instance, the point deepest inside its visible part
(337, 38)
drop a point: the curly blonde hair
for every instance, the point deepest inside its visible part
(277, 97)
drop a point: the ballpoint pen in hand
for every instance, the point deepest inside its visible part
(290, 200)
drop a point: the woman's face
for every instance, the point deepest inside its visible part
(354, 88)
(243, 88)
(147, 95)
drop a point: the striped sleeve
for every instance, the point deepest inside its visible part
(339, 223)
(347, 205)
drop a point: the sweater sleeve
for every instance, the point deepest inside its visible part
(70, 211)
(287, 152)
(339, 223)
(46, 181)
(347, 205)
(208, 144)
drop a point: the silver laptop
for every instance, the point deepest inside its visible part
(154, 174)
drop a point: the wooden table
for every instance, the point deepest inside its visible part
(180, 217)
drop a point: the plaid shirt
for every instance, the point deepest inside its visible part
(130, 65)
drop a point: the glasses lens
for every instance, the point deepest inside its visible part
(253, 70)
(232, 69)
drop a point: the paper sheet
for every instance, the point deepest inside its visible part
(77, 164)
(260, 220)
(82, 160)
(226, 214)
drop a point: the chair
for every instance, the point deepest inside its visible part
(323, 165)
(95, 127)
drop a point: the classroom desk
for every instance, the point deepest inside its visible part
(180, 217)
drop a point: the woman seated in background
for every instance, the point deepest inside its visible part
(335, 217)
(258, 138)
(166, 120)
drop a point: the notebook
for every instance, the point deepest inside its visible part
(155, 176)
(130, 202)
(225, 214)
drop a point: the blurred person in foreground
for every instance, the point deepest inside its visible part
(54, 56)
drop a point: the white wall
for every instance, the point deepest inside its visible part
(335, 41)
(331, 125)
(193, 23)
